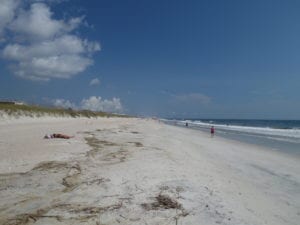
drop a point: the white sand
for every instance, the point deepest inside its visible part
(128, 163)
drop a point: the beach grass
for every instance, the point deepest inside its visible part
(38, 111)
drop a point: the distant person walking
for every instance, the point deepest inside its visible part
(186, 124)
(212, 131)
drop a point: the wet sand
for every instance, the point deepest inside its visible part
(134, 171)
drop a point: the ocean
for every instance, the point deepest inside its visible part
(279, 135)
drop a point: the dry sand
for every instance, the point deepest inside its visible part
(134, 171)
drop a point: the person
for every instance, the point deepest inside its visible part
(186, 124)
(212, 131)
(64, 136)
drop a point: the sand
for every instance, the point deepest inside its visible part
(138, 171)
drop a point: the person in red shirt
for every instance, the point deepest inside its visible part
(212, 131)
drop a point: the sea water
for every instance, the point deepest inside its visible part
(280, 135)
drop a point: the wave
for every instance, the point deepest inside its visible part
(293, 134)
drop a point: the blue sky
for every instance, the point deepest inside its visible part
(187, 59)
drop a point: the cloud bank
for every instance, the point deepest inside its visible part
(62, 103)
(94, 103)
(39, 46)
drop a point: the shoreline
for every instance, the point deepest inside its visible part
(277, 145)
(138, 171)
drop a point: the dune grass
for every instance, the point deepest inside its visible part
(38, 111)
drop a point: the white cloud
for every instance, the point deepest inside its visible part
(7, 12)
(98, 104)
(42, 47)
(94, 81)
(93, 103)
(37, 23)
(63, 45)
(193, 97)
(64, 66)
(61, 103)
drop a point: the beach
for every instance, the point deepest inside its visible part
(140, 171)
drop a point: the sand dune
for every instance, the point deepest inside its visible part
(134, 171)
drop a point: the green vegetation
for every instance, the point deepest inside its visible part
(38, 111)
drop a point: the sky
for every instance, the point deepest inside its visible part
(234, 59)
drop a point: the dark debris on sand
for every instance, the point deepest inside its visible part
(162, 202)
